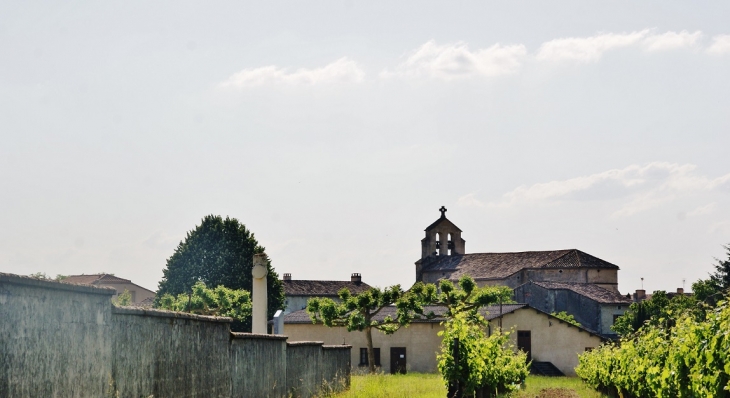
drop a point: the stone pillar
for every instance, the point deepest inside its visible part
(259, 294)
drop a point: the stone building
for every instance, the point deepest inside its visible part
(298, 292)
(551, 281)
(592, 306)
(140, 295)
(544, 337)
(443, 256)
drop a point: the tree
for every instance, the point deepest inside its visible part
(218, 252)
(476, 361)
(710, 291)
(659, 311)
(123, 299)
(562, 315)
(479, 362)
(359, 313)
(467, 297)
(220, 301)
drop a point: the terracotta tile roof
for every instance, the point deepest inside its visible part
(593, 292)
(321, 288)
(501, 265)
(489, 313)
(94, 279)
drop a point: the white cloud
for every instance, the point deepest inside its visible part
(587, 49)
(702, 210)
(720, 45)
(591, 49)
(672, 40)
(635, 188)
(456, 60)
(343, 70)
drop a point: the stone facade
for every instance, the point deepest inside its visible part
(552, 340)
(506, 269)
(592, 306)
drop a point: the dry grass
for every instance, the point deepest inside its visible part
(556, 387)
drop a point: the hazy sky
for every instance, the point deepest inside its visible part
(334, 130)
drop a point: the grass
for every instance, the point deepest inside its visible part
(431, 386)
(395, 386)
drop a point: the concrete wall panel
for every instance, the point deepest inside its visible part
(55, 339)
(250, 377)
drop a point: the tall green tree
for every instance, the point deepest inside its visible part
(360, 313)
(712, 290)
(218, 252)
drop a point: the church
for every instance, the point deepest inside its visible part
(552, 281)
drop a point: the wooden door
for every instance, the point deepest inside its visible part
(524, 342)
(397, 360)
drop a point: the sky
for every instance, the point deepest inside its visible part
(334, 130)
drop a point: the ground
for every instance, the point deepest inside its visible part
(431, 386)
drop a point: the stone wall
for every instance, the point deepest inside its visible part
(302, 373)
(55, 339)
(170, 354)
(248, 352)
(584, 310)
(68, 341)
(335, 366)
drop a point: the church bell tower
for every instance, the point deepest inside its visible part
(443, 238)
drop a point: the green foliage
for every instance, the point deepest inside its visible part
(123, 299)
(484, 362)
(218, 252)
(45, 277)
(466, 297)
(358, 312)
(562, 315)
(659, 310)
(220, 301)
(711, 290)
(691, 359)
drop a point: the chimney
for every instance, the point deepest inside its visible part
(640, 295)
(356, 278)
(287, 277)
(680, 290)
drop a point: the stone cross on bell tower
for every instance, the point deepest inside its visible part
(443, 211)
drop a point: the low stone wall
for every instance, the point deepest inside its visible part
(170, 354)
(248, 354)
(67, 341)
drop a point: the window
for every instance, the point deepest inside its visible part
(364, 356)
(615, 316)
